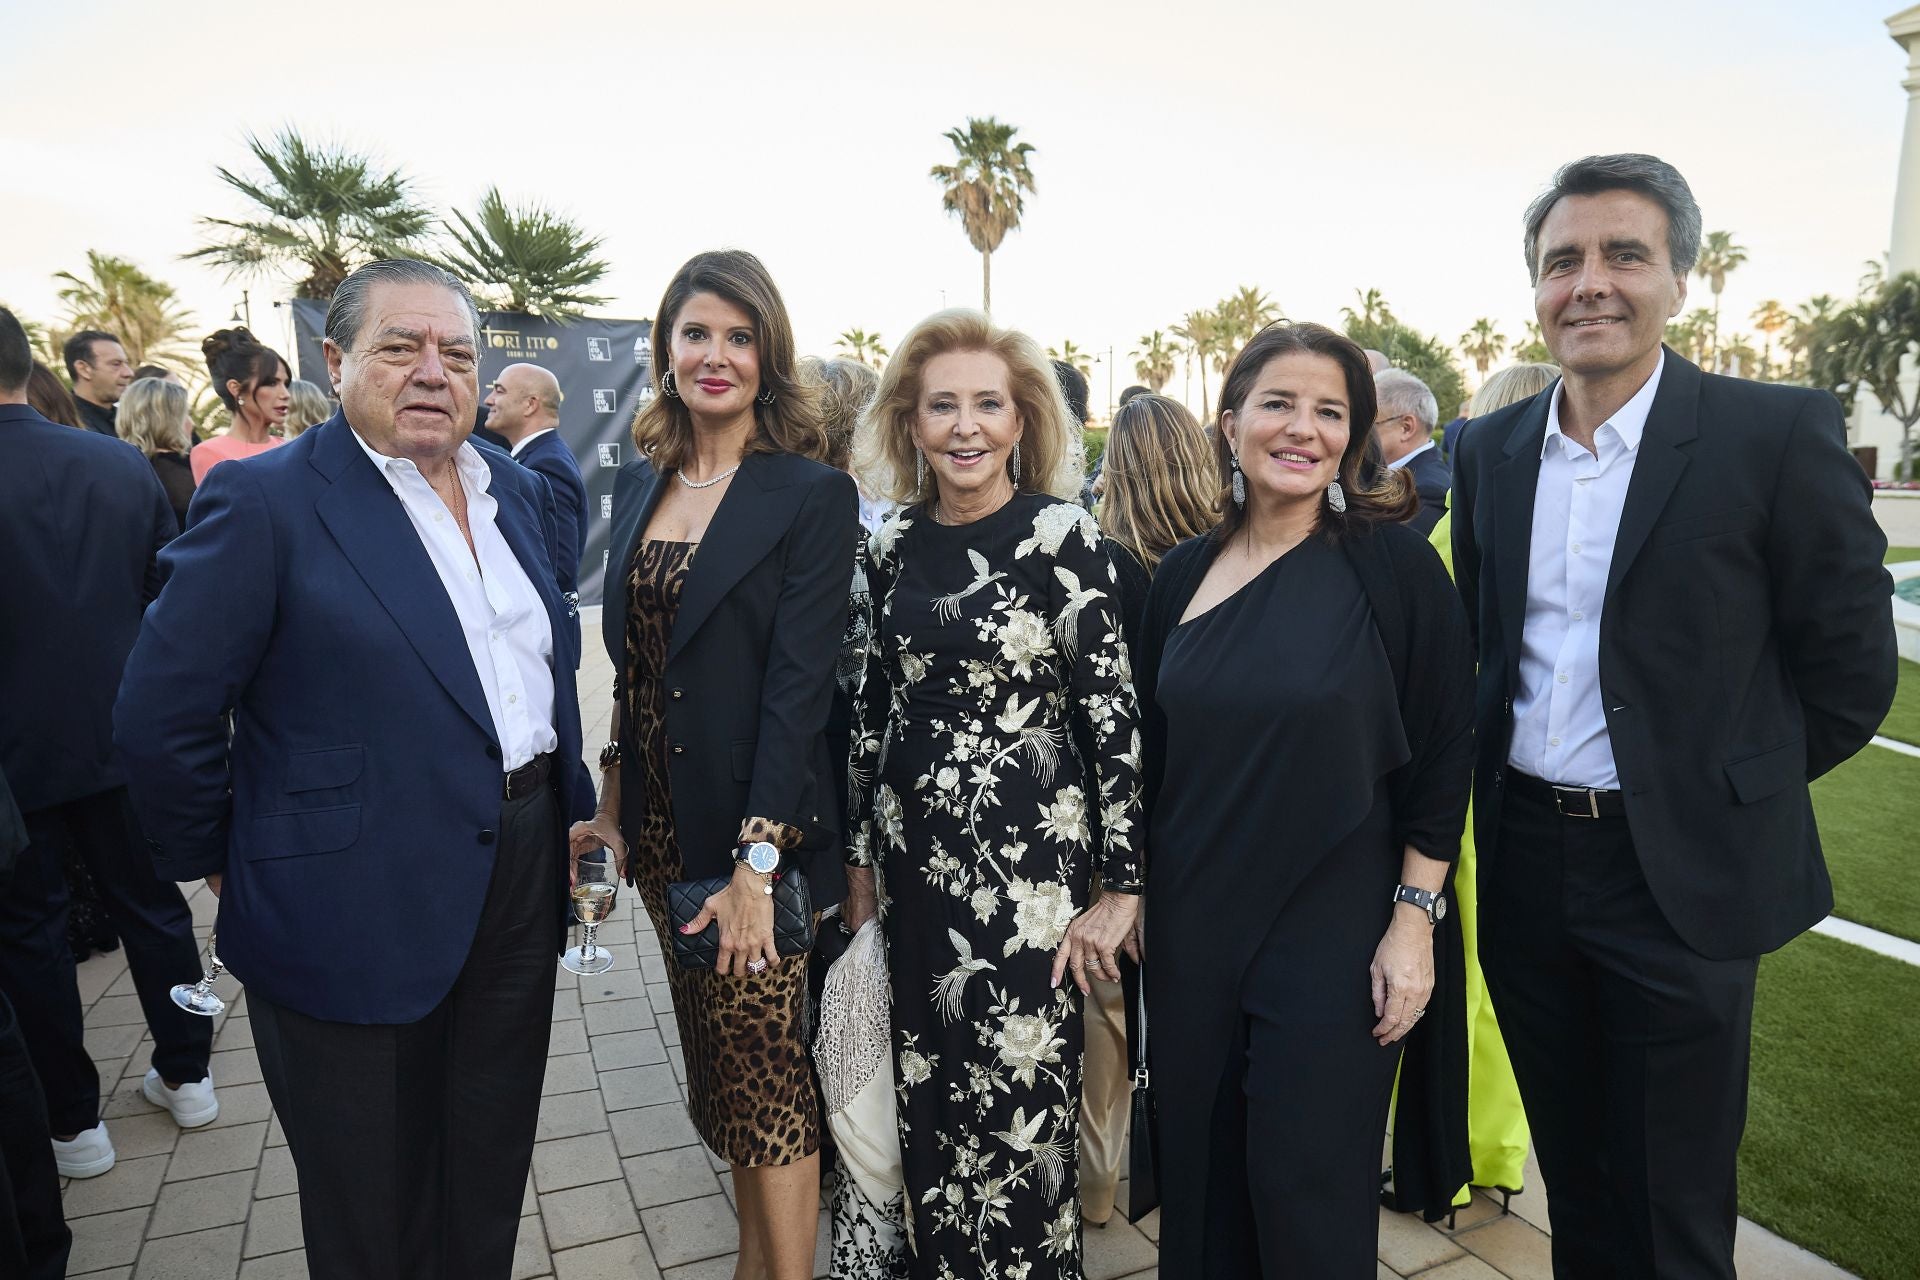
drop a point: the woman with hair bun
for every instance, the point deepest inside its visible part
(252, 380)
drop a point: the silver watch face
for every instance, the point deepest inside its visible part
(1439, 907)
(762, 857)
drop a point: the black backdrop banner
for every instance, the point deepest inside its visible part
(605, 372)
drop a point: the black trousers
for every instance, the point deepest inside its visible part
(1630, 1049)
(412, 1142)
(34, 1240)
(36, 962)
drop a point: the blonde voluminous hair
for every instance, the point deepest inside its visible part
(1510, 386)
(846, 387)
(663, 429)
(152, 416)
(1161, 486)
(1053, 458)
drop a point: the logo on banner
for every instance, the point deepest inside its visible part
(515, 342)
(610, 455)
(599, 349)
(606, 505)
(642, 351)
(605, 399)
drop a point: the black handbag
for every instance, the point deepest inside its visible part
(1143, 1142)
(792, 918)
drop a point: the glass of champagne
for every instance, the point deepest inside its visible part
(594, 887)
(198, 997)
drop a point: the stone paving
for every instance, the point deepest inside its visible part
(621, 1187)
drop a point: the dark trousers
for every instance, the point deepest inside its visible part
(34, 1240)
(412, 1142)
(36, 963)
(1630, 1049)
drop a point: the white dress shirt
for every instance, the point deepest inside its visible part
(1409, 456)
(1559, 723)
(508, 633)
(514, 452)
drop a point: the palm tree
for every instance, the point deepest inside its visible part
(1153, 360)
(144, 313)
(1373, 309)
(858, 344)
(1200, 330)
(1533, 350)
(1806, 324)
(1718, 255)
(1246, 312)
(1737, 356)
(1869, 346)
(986, 187)
(1069, 352)
(1482, 344)
(526, 259)
(322, 211)
(1769, 318)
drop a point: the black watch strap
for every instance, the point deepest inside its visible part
(1434, 904)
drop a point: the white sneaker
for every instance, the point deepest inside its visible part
(192, 1104)
(88, 1155)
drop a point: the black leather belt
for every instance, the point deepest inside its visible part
(529, 777)
(1571, 802)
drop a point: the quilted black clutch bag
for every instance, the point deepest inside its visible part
(792, 918)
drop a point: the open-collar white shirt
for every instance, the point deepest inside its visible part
(508, 634)
(1559, 722)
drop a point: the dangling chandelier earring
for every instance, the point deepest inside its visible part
(666, 385)
(1013, 467)
(919, 473)
(765, 396)
(1239, 481)
(1336, 497)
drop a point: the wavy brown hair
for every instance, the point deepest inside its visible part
(663, 429)
(1161, 484)
(1391, 497)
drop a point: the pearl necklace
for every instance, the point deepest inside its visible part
(705, 484)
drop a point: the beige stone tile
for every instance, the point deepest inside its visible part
(670, 1029)
(608, 1016)
(574, 1162)
(277, 1174)
(127, 1100)
(150, 1133)
(530, 1250)
(112, 1044)
(689, 1230)
(205, 1202)
(237, 1033)
(662, 1177)
(1384, 1272)
(616, 984)
(128, 1184)
(567, 1114)
(566, 1006)
(116, 1273)
(641, 1048)
(571, 1074)
(202, 1152)
(1531, 1204)
(582, 1215)
(97, 973)
(1758, 1254)
(715, 1268)
(1467, 1268)
(106, 1239)
(116, 1011)
(567, 1038)
(276, 1135)
(626, 1258)
(1407, 1244)
(1481, 1208)
(234, 1066)
(655, 1128)
(1512, 1246)
(1117, 1249)
(276, 1266)
(273, 1226)
(201, 1255)
(242, 1104)
(638, 1087)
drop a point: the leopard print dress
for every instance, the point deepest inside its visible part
(750, 1088)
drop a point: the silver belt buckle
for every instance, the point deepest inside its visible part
(1560, 795)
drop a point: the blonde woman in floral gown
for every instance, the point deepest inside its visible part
(996, 625)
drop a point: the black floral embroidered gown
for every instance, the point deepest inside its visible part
(971, 801)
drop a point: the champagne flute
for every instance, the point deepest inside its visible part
(198, 997)
(594, 888)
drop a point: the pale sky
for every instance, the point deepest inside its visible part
(1182, 149)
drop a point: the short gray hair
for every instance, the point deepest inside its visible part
(348, 310)
(1400, 392)
(1650, 176)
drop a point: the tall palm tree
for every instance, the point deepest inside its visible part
(1153, 361)
(1807, 323)
(322, 212)
(1373, 309)
(1482, 344)
(144, 313)
(1718, 255)
(526, 258)
(1533, 348)
(1769, 318)
(986, 187)
(1204, 334)
(858, 344)
(1245, 312)
(1070, 352)
(1737, 356)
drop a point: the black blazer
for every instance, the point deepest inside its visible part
(82, 518)
(553, 458)
(1431, 480)
(751, 661)
(1746, 641)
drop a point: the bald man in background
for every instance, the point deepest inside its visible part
(523, 405)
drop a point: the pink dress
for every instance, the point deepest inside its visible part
(211, 453)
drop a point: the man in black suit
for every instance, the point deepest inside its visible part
(523, 406)
(98, 367)
(1682, 619)
(83, 520)
(1403, 428)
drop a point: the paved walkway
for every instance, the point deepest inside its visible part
(620, 1186)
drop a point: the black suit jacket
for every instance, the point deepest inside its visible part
(1746, 640)
(82, 521)
(1431, 480)
(750, 665)
(552, 458)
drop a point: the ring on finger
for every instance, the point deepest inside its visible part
(757, 965)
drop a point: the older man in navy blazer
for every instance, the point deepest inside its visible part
(374, 609)
(523, 405)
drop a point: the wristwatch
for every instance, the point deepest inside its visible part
(761, 858)
(1434, 904)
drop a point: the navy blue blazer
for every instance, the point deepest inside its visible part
(80, 521)
(553, 458)
(354, 813)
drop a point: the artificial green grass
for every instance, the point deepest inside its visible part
(1833, 1119)
(1903, 722)
(1869, 813)
(1896, 554)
